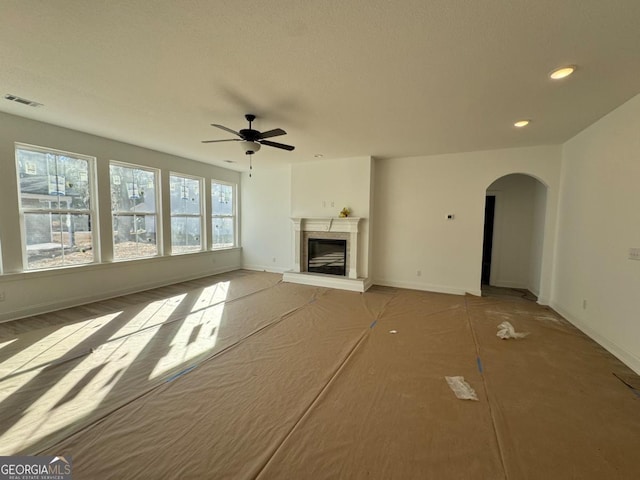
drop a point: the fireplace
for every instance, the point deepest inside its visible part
(326, 255)
(324, 246)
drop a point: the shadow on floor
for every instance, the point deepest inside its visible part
(506, 292)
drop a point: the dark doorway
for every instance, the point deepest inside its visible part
(487, 245)
(327, 256)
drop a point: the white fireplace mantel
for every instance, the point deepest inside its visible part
(327, 225)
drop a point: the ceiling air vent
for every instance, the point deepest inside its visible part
(24, 101)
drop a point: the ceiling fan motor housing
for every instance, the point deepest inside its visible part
(249, 134)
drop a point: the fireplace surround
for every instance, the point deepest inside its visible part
(329, 228)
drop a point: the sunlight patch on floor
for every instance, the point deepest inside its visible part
(212, 295)
(197, 335)
(4, 344)
(62, 402)
(199, 332)
(82, 389)
(154, 313)
(54, 346)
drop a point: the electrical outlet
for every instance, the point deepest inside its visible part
(333, 204)
(2, 296)
(584, 304)
(274, 259)
(324, 204)
(634, 254)
(418, 273)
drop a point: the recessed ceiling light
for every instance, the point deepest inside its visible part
(318, 155)
(229, 161)
(521, 123)
(562, 72)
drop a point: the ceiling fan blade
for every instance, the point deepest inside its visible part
(276, 144)
(276, 132)
(226, 140)
(225, 129)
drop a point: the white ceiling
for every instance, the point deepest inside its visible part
(344, 78)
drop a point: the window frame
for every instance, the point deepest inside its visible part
(157, 213)
(233, 215)
(91, 212)
(201, 215)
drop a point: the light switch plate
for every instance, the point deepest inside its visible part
(634, 254)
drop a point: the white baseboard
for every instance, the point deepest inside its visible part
(427, 287)
(628, 358)
(266, 268)
(542, 301)
(368, 283)
(535, 291)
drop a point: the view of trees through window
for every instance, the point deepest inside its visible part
(133, 206)
(224, 215)
(186, 219)
(58, 222)
(55, 202)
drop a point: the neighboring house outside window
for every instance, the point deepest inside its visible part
(223, 206)
(56, 191)
(134, 192)
(186, 214)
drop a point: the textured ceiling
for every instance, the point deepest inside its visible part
(344, 78)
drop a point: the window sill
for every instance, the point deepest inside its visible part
(87, 267)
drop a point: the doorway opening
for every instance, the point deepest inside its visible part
(514, 226)
(487, 245)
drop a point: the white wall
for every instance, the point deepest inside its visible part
(537, 238)
(413, 196)
(27, 293)
(266, 222)
(323, 188)
(518, 232)
(599, 220)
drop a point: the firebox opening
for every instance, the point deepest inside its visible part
(327, 256)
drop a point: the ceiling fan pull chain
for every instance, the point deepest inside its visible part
(250, 165)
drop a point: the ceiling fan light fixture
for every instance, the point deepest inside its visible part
(250, 147)
(521, 123)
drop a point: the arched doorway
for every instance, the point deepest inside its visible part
(515, 213)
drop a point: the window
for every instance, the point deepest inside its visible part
(186, 216)
(56, 189)
(133, 206)
(223, 205)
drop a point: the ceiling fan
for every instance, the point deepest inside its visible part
(252, 139)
